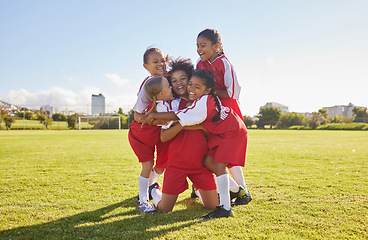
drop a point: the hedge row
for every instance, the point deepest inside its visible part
(335, 126)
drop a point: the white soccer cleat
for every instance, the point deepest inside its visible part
(146, 207)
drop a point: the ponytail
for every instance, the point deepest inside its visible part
(154, 105)
(216, 118)
(153, 87)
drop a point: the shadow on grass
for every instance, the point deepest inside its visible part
(99, 224)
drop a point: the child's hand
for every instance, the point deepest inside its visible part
(148, 119)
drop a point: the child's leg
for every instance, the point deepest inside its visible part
(237, 173)
(208, 163)
(223, 184)
(209, 198)
(155, 175)
(144, 180)
(243, 196)
(167, 202)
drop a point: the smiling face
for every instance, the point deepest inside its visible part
(179, 81)
(206, 49)
(166, 91)
(156, 64)
(196, 88)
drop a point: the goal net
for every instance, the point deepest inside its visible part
(99, 122)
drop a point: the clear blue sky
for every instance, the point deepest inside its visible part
(303, 54)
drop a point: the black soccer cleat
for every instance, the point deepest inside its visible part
(244, 200)
(219, 212)
(241, 192)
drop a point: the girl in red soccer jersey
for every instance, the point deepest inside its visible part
(227, 138)
(212, 57)
(145, 139)
(186, 151)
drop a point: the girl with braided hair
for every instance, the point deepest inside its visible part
(227, 134)
(186, 151)
(212, 57)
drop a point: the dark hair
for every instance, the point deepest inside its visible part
(183, 64)
(148, 52)
(208, 79)
(214, 36)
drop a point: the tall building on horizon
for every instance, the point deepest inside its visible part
(98, 104)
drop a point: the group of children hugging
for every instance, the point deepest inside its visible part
(192, 120)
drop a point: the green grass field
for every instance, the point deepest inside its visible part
(84, 184)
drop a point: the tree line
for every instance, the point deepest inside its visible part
(72, 120)
(274, 118)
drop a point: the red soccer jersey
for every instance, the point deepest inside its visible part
(228, 135)
(226, 79)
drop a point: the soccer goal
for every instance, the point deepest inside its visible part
(99, 122)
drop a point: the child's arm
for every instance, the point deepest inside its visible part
(222, 93)
(167, 116)
(195, 127)
(139, 117)
(168, 134)
(230, 81)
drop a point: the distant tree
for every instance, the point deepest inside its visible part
(260, 124)
(45, 120)
(59, 117)
(1, 117)
(336, 119)
(360, 114)
(29, 115)
(248, 121)
(130, 117)
(291, 119)
(269, 115)
(120, 111)
(72, 121)
(123, 120)
(19, 114)
(9, 120)
(323, 112)
(316, 120)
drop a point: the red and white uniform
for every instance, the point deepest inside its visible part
(146, 140)
(143, 100)
(186, 153)
(226, 79)
(228, 136)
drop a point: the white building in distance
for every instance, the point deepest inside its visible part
(283, 108)
(340, 110)
(98, 104)
(51, 109)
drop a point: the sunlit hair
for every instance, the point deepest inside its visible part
(151, 50)
(153, 87)
(180, 64)
(208, 80)
(214, 36)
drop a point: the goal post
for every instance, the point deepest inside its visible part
(99, 122)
